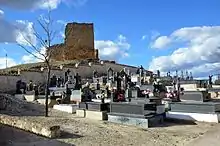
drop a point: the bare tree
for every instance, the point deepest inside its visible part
(44, 39)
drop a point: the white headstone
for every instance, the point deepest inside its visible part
(19, 71)
(76, 65)
(76, 95)
(41, 69)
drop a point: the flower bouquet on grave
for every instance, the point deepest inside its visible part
(146, 93)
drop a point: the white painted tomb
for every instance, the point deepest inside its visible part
(69, 108)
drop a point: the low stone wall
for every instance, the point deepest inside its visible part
(27, 125)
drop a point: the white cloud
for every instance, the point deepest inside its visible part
(10, 62)
(154, 34)
(32, 59)
(15, 32)
(30, 4)
(39, 4)
(1, 13)
(200, 53)
(161, 42)
(143, 37)
(113, 50)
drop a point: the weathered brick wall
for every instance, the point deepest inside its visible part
(79, 43)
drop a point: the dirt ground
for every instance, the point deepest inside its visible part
(84, 132)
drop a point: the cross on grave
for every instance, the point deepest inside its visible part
(110, 75)
(95, 74)
(78, 81)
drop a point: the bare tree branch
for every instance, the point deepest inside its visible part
(30, 52)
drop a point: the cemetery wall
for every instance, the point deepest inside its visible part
(8, 83)
(78, 44)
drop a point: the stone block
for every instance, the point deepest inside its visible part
(195, 107)
(50, 131)
(160, 109)
(69, 108)
(200, 117)
(97, 106)
(83, 105)
(51, 102)
(99, 100)
(133, 108)
(195, 96)
(20, 96)
(126, 120)
(81, 113)
(30, 98)
(96, 115)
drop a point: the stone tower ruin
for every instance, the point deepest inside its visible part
(78, 44)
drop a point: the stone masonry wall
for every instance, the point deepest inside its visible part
(79, 43)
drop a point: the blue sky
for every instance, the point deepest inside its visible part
(158, 34)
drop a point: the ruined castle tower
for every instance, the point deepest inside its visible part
(78, 44)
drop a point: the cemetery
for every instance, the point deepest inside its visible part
(130, 98)
(89, 91)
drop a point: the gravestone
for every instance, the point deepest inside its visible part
(76, 95)
(128, 93)
(195, 96)
(142, 115)
(110, 73)
(78, 81)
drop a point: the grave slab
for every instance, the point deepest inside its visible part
(94, 115)
(69, 108)
(83, 105)
(195, 107)
(30, 98)
(133, 108)
(20, 96)
(195, 96)
(81, 113)
(200, 117)
(97, 106)
(99, 100)
(51, 102)
(97, 115)
(136, 120)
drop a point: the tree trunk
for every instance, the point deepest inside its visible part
(47, 89)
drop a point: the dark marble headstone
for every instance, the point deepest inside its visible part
(133, 108)
(83, 105)
(97, 106)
